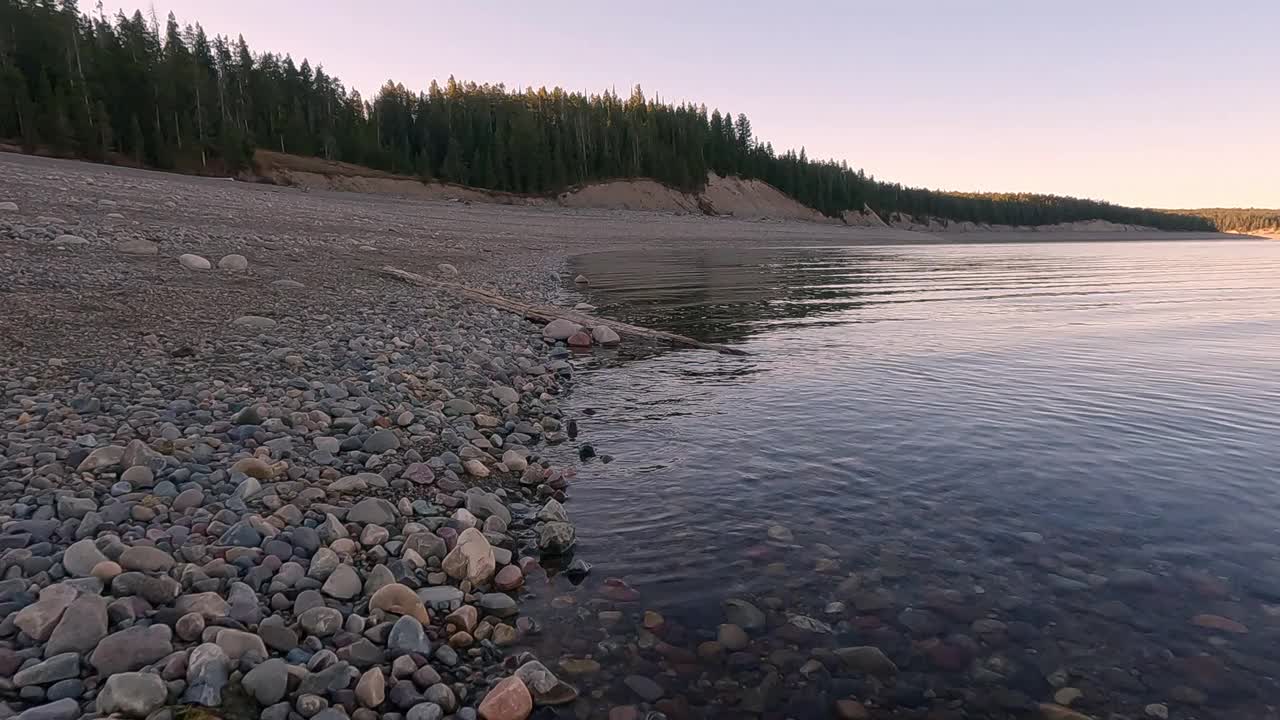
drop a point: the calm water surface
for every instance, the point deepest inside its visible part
(1079, 442)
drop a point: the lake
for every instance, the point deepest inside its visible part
(1023, 473)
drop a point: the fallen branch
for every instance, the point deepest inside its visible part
(547, 313)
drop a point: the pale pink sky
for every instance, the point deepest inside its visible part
(1165, 103)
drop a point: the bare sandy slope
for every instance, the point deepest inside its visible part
(731, 196)
(723, 196)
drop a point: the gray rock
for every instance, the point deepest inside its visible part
(65, 709)
(337, 676)
(425, 711)
(132, 694)
(343, 583)
(75, 507)
(241, 534)
(426, 544)
(101, 459)
(408, 636)
(233, 262)
(58, 667)
(744, 614)
(648, 690)
(460, 406)
(253, 322)
(544, 686)
(207, 671)
(867, 660)
(139, 477)
(381, 441)
(504, 394)
(443, 696)
(605, 335)
(372, 510)
(132, 649)
(483, 505)
(321, 621)
(560, 329)
(553, 511)
(82, 627)
(145, 559)
(268, 682)
(155, 589)
(444, 597)
(499, 604)
(194, 262)
(277, 634)
(208, 605)
(556, 537)
(80, 558)
(39, 619)
(237, 644)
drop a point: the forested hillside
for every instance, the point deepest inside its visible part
(1240, 220)
(171, 97)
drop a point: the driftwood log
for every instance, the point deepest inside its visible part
(547, 313)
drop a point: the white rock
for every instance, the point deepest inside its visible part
(233, 262)
(71, 240)
(194, 262)
(560, 329)
(254, 322)
(605, 335)
(447, 269)
(581, 280)
(8, 207)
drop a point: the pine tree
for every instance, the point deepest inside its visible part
(136, 143)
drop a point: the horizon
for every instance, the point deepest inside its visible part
(1161, 146)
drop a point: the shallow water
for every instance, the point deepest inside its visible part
(1080, 441)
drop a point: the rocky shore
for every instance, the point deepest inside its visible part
(326, 507)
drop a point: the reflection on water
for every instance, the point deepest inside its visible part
(1026, 473)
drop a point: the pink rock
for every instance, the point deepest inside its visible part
(618, 590)
(579, 339)
(509, 578)
(508, 700)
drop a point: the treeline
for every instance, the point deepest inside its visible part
(1241, 220)
(118, 88)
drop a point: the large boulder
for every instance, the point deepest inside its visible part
(471, 559)
(556, 537)
(82, 627)
(131, 649)
(207, 674)
(605, 335)
(560, 329)
(131, 694)
(508, 700)
(400, 600)
(39, 619)
(81, 557)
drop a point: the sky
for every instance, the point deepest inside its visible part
(1157, 103)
